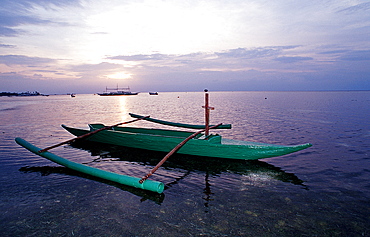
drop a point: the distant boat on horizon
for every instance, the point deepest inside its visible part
(117, 91)
(153, 93)
(27, 93)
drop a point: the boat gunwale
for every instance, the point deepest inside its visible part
(150, 131)
(210, 139)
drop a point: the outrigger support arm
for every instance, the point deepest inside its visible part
(172, 152)
(90, 133)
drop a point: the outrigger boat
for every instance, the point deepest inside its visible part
(162, 140)
(200, 143)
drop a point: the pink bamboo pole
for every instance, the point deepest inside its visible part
(207, 108)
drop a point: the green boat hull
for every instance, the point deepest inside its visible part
(165, 140)
(149, 185)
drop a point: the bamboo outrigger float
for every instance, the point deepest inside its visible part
(149, 185)
(200, 143)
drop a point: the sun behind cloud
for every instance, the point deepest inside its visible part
(119, 75)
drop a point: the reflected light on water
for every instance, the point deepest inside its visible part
(123, 112)
(257, 180)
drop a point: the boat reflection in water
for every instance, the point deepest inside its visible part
(180, 165)
(47, 170)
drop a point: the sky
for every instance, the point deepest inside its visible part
(84, 46)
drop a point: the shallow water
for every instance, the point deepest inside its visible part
(321, 191)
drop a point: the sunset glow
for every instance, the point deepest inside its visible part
(192, 43)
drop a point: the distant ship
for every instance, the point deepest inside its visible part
(117, 91)
(153, 93)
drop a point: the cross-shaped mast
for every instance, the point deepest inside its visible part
(207, 108)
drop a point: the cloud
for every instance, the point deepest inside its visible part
(95, 72)
(25, 5)
(8, 21)
(239, 53)
(239, 59)
(24, 60)
(356, 8)
(21, 12)
(356, 55)
(21, 66)
(338, 51)
(99, 33)
(272, 68)
(7, 46)
(253, 52)
(141, 57)
(104, 66)
(292, 59)
(6, 31)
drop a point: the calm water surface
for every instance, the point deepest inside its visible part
(321, 191)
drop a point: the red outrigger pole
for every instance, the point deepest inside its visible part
(207, 108)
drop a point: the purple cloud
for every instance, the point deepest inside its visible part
(292, 59)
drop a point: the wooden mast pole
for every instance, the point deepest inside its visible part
(207, 108)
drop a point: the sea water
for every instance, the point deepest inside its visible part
(321, 191)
